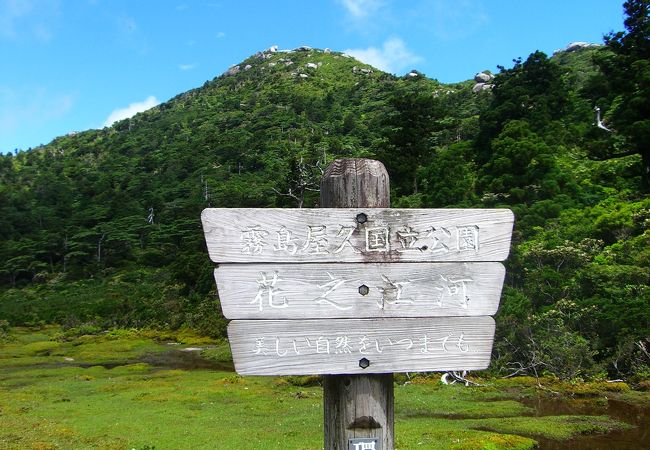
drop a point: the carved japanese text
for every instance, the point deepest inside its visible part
(453, 342)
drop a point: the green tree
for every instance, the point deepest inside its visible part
(532, 90)
(410, 126)
(626, 80)
(450, 178)
(519, 166)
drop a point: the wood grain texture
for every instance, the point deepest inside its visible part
(335, 235)
(331, 290)
(337, 346)
(350, 183)
(355, 182)
(360, 407)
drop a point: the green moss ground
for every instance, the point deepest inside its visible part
(47, 401)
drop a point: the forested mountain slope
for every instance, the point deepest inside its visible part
(101, 228)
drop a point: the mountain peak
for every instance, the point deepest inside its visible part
(575, 46)
(298, 62)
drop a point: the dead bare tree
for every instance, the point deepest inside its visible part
(306, 178)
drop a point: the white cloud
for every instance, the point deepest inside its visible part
(360, 9)
(392, 57)
(31, 106)
(453, 19)
(28, 18)
(185, 67)
(221, 34)
(131, 110)
(12, 11)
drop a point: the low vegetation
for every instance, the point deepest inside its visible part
(70, 390)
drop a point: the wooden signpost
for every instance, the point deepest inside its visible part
(358, 292)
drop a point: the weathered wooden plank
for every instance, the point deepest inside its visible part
(337, 346)
(332, 290)
(357, 234)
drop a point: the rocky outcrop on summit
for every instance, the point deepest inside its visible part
(483, 77)
(482, 80)
(478, 87)
(575, 46)
(362, 70)
(232, 71)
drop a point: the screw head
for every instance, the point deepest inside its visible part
(364, 363)
(363, 289)
(362, 218)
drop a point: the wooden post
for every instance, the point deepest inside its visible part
(357, 406)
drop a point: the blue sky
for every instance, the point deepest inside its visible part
(72, 65)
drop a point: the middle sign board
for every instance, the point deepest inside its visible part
(343, 290)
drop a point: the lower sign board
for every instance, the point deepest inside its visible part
(331, 290)
(358, 346)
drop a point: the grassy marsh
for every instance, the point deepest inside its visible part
(94, 391)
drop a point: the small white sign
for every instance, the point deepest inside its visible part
(364, 444)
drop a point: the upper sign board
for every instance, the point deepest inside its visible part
(357, 235)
